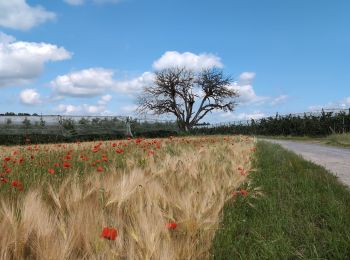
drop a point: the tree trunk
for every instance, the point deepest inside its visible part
(183, 126)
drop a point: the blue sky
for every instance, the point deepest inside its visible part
(94, 56)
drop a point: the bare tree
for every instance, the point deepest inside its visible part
(188, 95)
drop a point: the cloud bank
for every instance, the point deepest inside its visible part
(21, 62)
(17, 14)
(30, 97)
(97, 81)
(188, 60)
(86, 109)
(247, 95)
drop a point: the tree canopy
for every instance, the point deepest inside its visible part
(188, 95)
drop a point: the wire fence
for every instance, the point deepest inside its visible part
(51, 128)
(48, 128)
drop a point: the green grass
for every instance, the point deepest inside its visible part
(304, 213)
(340, 140)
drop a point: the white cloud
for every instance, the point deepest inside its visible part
(85, 109)
(17, 14)
(188, 60)
(97, 81)
(340, 104)
(246, 77)
(6, 39)
(279, 100)
(247, 95)
(68, 109)
(246, 91)
(134, 85)
(81, 2)
(243, 115)
(21, 62)
(104, 100)
(84, 83)
(30, 97)
(128, 110)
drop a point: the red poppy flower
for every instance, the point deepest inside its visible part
(68, 157)
(109, 233)
(7, 159)
(243, 192)
(4, 180)
(8, 170)
(234, 194)
(119, 150)
(100, 169)
(56, 164)
(171, 225)
(66, 164)
(17, 185)
(51, 171)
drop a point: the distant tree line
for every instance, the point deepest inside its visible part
(323, 124)
(18, 114)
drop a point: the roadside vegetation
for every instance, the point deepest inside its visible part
(309, 124)
(340, 140)
(304, 213)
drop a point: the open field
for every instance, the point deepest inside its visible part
(134, 199)
(165, 199)
(304, 213)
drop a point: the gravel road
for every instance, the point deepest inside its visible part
(336, 160)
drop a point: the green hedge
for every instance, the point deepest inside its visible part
(294, 125)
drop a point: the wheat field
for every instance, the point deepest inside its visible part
(163, 198)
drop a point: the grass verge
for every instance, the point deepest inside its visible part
(339, 140)
(342, 140)
(305, 213)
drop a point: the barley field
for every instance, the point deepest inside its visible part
(125, 199)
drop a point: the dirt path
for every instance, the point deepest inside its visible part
(336, 160)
